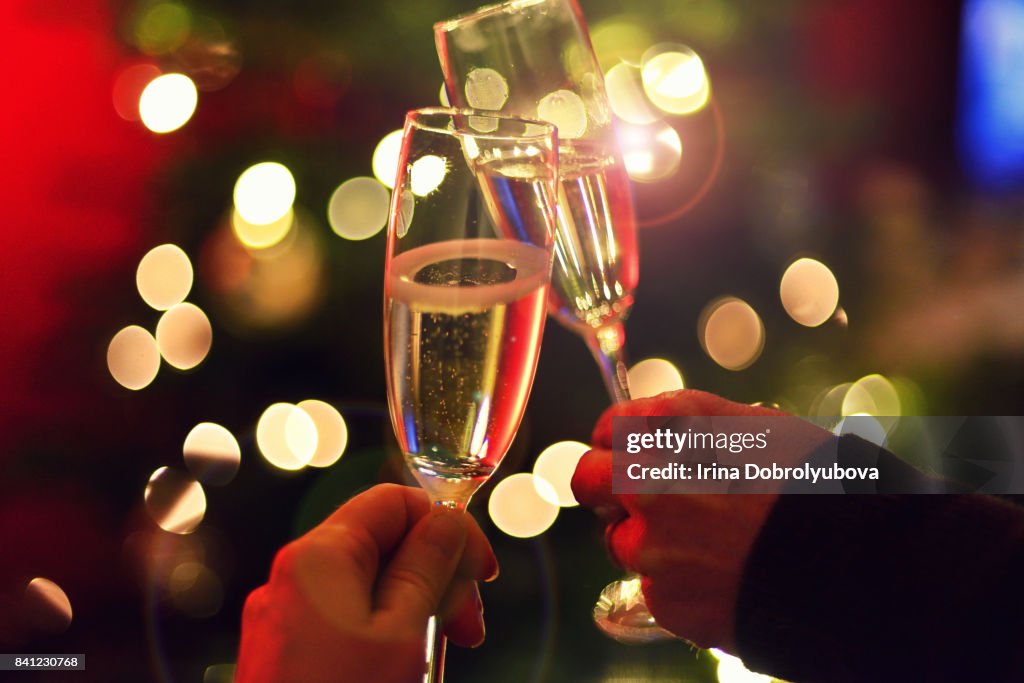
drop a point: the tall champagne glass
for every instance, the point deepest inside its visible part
(534, 58)
(467, 276)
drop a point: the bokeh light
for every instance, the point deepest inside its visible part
(486, 89)
(358, 209)
(809, 292)
(211, 453)
(175, 501)
(184, 336)
(732, 670)
(830, 402)
(264, 192)
(674, 79)
(654, 376)
(427, 174)
(555, 467)
(873, 395)
(47, 606)
(863, 425)
(133, 358)
(626, 95)
(386, 155)
(128, 87)
(168, 102)
(566, 110)
(286, 436)
(195, 590)
(261, 235)
(516, 507)
(164, 276)
(162, 27)
(731, 333)
(442, 96)
(331, 432)
(619, 39)
(651, 152)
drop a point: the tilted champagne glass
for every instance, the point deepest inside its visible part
(534, 58)
(466, 280)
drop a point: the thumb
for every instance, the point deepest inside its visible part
(415, 581)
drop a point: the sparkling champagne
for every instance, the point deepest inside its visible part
(464, 320)
(595, 265)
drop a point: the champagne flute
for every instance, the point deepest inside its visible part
(534, 58)
(466, 280)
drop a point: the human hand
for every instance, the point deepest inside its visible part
(689, 549)
(350, 600)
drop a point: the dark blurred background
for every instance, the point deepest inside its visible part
(883, 143)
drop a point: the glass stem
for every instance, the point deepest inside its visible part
(608, 344)
(437, 643)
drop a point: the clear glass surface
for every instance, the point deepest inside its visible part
(534, 58)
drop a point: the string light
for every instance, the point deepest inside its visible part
(133, 358)
(358, 209)
(264, 193)
(518, 509)
(168, 102)
(184, 336)
(385, 157)
(555, 467)
(653, 376)
(164, 276)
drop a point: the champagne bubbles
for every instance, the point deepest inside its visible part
(133, 358)
(212, 453)
(168, 102)
(626, 95)
(258, 236)
(731, 333)
(555, 467)
(264, 193)
(518, 509)
(286, 436)
(331, 432)
(184, 336)
(486, 89)
(175, 501)
(651, 152)
(809, 292)
(654, 376)
(675, 80)
(358, 209)
(164, 276)
(426, 174)
(385, 156)
(566, 110)
(47, 606)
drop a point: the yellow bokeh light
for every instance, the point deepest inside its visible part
(175, 501)
(164, 276)
(47, 605)
(358, 209)
(675, 80)
(212, 453)
(830, 403)
(331, 432)
(516, 507)
(626, 95)
(732, 670)
(162, 27)
(184, 336)
(168, 102)
(264, 192)
(650, 153)
(195, 590)
(286, 436)
(654, 376)
(486, 89)
(809, 292)
(865, 426)
(619, 39)
(566, 110)
(731, 333)
(873, 395)
(133, 357)
(427, 174)
(386, 155)
(261, 236)
(443, 96)
(555, 467)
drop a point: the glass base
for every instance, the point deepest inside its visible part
(621, 613)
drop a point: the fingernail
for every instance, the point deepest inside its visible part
(494, 570)
(445, 530)
(479, 617)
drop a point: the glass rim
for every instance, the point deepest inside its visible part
(414, 117)
(483, 12)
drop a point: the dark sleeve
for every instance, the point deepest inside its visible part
(884, 588)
